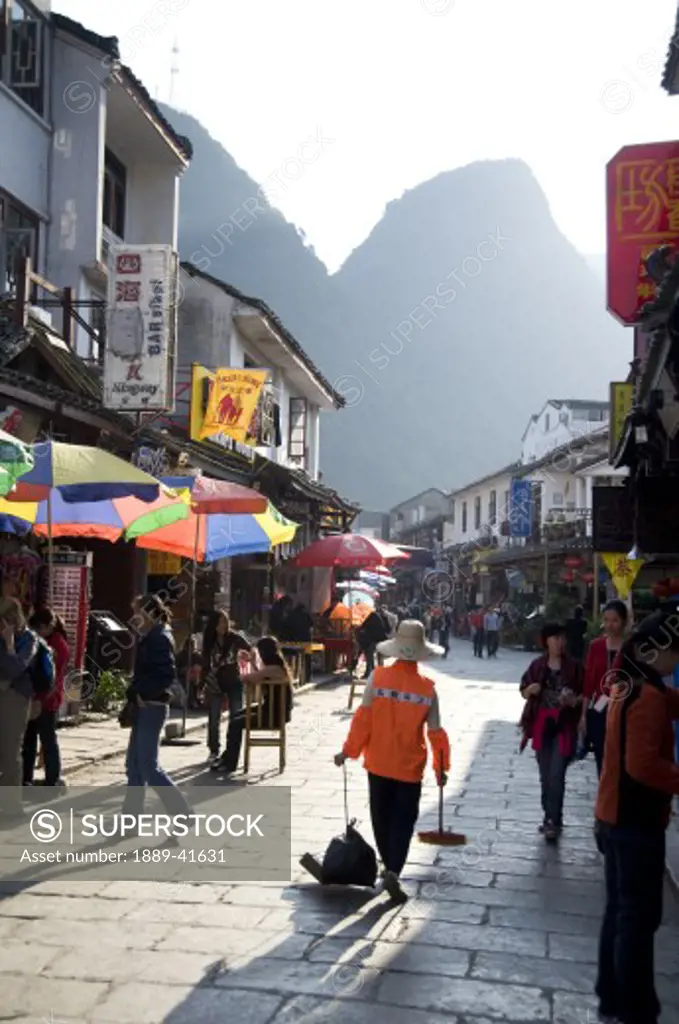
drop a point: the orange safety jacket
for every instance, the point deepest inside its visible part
(388, 727)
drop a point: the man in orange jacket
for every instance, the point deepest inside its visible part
(388, 729)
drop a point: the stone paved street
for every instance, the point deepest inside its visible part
(501, 930)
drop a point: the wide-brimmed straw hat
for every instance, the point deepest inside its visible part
(409, 644)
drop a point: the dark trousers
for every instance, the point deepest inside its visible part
(444, 640)
(493, 642)
(552, 765)
(596, 735)
(479, 637)
(635, 869)
(43, 728)
(394, 807)
(234, 732)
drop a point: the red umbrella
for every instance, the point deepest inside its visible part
(347, 551)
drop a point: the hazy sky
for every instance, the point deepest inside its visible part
(406, 89)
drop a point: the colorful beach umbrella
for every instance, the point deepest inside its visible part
(82, 473)
(99, 520)
(16, 459)
(211, 537)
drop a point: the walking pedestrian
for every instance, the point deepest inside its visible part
(601, 656)
(370, 634)
(43, 727)
(633, 809)
(552, 688)
(476, 622)
(388, 729)
(576, 630)
(444, 632)
(155, 674)
(491, 626)
(222, 646)
(18, 650)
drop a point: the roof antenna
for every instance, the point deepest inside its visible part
(174, 71)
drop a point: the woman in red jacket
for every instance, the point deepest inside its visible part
(600, 659)
(49, 626)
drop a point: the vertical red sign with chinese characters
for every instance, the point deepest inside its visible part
(642, 192)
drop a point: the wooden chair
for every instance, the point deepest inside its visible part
(266, 706)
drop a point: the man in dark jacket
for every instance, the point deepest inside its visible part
(633, 809)
(576, 630)
(375, 630)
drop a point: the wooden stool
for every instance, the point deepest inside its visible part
(352, 691)
(265, 712)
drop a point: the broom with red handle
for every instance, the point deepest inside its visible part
(444, 837)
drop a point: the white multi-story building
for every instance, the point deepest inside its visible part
(221, 327)
(560, 422)
(88, 159)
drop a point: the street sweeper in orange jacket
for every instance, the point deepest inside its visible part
(388, 729)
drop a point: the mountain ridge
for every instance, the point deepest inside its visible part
(438, 389)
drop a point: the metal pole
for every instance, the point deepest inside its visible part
(546, 579)
(595, 596)
(192, 616)
(50, 548)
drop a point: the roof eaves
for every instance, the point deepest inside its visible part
(274, 321)
(511, 468)
(110, 47)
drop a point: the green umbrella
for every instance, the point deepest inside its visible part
(16, 458)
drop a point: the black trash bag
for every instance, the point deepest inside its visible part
(349, 860)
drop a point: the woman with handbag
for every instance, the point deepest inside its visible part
(43, 726)
(18, 651)
(552, 689)
(221, 679)
(148, 698)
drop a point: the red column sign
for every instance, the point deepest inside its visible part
(642, 193)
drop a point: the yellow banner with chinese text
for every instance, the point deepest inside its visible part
(623, 572)
(232, 403)
(161, 563)
(621, 400)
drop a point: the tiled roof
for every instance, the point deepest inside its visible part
(109, 46)
(260, 305)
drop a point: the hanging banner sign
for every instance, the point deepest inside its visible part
(621, 400)
(623, 572)
(141, 328)
(233, 402)
(642, 196)
(161, 563)
(520, 513)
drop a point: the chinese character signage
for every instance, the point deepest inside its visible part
(232, 404)
(642, 191)
(161, 563)
(520, 512)
(141, 328)
(623, 572)
(621, 398)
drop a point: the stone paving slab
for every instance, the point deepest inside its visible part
(503, 929)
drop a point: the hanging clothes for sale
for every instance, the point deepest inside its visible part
(21, 570)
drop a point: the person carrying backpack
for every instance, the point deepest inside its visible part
(18, 651)
(43, 727)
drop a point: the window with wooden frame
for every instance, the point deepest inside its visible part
(21, 52)
(18, 238)
(477, 512)
(115, 194)
(492, 508)
(297, 432)
(464, 516)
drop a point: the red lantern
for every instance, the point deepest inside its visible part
(567, 576)
(661, 590)
(573, 562)
(673, 586)
(587, 577)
